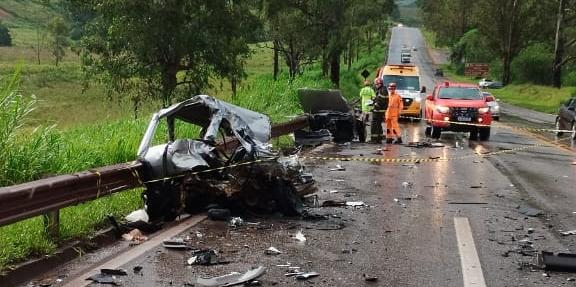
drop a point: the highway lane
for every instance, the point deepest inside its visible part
(420, 222)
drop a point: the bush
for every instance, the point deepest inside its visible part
(533, 65)
(569, 78)
(5, 37)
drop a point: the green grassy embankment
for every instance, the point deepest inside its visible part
(77, 143)
(535, 97)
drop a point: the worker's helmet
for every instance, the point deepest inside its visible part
(392, 86)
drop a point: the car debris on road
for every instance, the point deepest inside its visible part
(230, 279)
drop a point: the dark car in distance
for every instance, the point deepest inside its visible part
(566, 119)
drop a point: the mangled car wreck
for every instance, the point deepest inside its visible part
(228, 165)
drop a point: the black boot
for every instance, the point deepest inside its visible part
(398, 141)
(389, 140)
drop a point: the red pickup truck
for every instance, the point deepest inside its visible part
(458, 107)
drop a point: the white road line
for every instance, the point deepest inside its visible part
(471, 268)
(132, 253)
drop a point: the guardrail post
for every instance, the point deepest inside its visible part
(52, 224)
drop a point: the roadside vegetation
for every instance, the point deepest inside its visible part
(59, 119)
(532, 50)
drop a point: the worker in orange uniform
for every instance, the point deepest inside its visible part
(395, 106)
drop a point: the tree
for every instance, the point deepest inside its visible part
(59, 41)
(5, 37)
(563, 43)
(508, 26)
(449, 19)
(170, 47)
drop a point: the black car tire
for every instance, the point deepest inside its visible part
(428, 131)
(557, 126)
(473, 134)
(484, 134)
(574, 130)
(436, 132)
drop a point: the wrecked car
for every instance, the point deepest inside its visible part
(331, 118)
(229, 164)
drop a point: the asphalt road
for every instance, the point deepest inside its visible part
(450, 223)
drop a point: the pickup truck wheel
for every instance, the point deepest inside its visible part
(436, 131)
(428, 131)
(484, 134)
(573, 130)
(557, 126)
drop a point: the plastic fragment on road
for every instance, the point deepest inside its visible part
(236, 222)
(333, 203)
(272, 251)
(119, 272)
(569, 232)
(103, 279)
(302, 275)
(204, 257)
(338, 168)
(355, 203)
(300, 236)
(176, 243)
(231, 279)
(137, 215)
(529, 211)
(559, 262)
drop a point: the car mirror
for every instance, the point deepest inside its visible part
(430, 98)
(489, 98)
(423, 90)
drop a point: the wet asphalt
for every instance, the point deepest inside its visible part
(405, 235)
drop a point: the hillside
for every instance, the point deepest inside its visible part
(24, 17)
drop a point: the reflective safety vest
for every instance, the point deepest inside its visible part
(366, 96)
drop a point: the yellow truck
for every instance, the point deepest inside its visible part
(407, 79)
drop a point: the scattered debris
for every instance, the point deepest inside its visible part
(300, 236)
(205, 257)
(426, 144)
(355, 203)
(176, 243)
(137, 269)
(118, 272)
(326, 225)
(236, 222)
(103, 279)
(333, 203)
(272, 251)
(333, 191)
(370, 278)
(570, 232)
(231, 279)
(135, 236)
(306, 275)
(338, 168)
(137, 215)
(219, 213)
(529, 211)
(475, 186)
(559, 262)
(312, 138)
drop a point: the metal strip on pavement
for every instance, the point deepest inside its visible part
(120, 259)
(471, 268)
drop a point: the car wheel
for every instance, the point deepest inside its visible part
(435, 132)
(573, 130)
(428, 131)
(484, 134)
(557, 126)
(496, 118)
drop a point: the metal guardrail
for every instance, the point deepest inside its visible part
(48, 196)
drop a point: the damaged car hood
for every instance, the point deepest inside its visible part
(252, 129)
